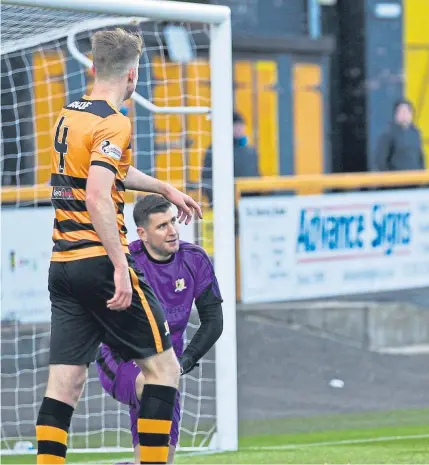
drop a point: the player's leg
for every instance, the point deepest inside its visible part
(118, 378)
(139, 385)
(161, 376)
(72, 346)
(107, 368)
(171, 453)
(174, 435)
(124, 381)
(134, 414)
(174, 432)
(156, 406)
(140, 333)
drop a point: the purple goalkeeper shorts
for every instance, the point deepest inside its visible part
(118, 379)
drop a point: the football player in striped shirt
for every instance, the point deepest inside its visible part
(96, 293)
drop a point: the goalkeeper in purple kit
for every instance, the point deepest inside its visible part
(179, 273)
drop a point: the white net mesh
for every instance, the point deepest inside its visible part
(38, 77)
(24, 27)
(99, 421)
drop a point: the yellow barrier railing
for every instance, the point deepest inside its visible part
(37, 194)
(303, 184)
(42, 193)
(313, 183)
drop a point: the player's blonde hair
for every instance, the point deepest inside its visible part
(115, 52)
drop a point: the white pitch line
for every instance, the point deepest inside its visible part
(337, 443)
(311, 444)
(293, 446)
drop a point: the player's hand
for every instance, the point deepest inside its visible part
(123, 290)
(186, 365)
(185, 204)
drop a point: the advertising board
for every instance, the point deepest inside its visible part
(303, 247)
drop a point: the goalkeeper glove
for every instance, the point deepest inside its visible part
(186, 365)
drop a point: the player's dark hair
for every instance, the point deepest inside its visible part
(148, 205)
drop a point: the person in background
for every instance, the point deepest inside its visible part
(400, 145)
(245, 158)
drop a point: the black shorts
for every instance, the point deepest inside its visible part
(80, 320)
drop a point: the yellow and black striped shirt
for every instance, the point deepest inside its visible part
(87, 132)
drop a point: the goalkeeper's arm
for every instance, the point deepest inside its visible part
(209, 307)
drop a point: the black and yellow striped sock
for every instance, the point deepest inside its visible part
(52, 429)
(154, 424)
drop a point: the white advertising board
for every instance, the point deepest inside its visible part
(302, 247)
(26, 247)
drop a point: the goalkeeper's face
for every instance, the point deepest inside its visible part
(160, 234)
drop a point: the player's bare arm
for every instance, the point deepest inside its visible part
(136, 180)
(103, 216)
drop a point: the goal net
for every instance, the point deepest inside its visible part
(44, 65)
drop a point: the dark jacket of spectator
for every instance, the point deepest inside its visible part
(245, 158)
(400, 148)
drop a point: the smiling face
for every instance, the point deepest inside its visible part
(160, 234)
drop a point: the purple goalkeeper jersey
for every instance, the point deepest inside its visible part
(177, 282)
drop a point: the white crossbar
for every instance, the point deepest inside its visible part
(154, 9)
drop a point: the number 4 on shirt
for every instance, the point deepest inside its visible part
(61, 147)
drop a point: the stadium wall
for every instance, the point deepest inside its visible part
(265, 18)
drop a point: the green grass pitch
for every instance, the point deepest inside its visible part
(367, 438)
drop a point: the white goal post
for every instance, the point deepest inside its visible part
(218, 20)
